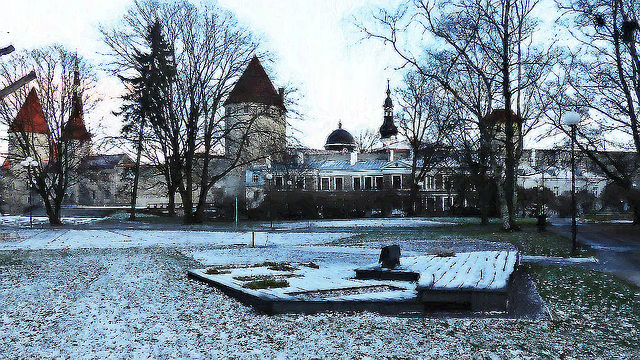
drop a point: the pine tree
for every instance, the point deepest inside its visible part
(149, 97)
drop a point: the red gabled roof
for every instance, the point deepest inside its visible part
(254, 86)
(500, 115)
(30, 118)
(5, 164)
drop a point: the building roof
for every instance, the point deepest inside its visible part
(99, 162)
(254, 86)
(74, 129)
(30, 118)
(340, 139)
(500, 115)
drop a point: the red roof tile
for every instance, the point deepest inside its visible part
(75, 129)
(500, 115)
(255, 86)
(30, 118)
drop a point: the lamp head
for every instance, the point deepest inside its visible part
(571, 118)
(269, 176)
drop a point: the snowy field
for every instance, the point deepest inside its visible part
(124, 294)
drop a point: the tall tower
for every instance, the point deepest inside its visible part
(29, 136)
(256, 125)
(74, 135)
(388, 130)
(255, 116)
(29, 133)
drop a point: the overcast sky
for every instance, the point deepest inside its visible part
(316, 46)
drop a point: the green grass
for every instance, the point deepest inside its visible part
(595, 307)
(281, 266)
(267, 283)
(529, 241)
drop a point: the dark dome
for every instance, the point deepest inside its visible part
(388, 128)
(388, 103)
(339, 140)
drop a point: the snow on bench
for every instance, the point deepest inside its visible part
(482, 270)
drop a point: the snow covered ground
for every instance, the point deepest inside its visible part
(124, 294)
(358, 223)
(75, 239)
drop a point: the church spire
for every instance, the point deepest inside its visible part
(75, 128)
(388, 128)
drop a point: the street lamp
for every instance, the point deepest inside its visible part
(269, 177)
(572, 119)
(29, 163)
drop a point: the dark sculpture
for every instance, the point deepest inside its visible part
(390, 256)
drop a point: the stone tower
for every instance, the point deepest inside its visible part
(388, 130)
(76, 138)
(256, 126)
(29, 136)
(29, 133)
(255, 117)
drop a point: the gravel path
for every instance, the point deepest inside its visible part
(138, 304)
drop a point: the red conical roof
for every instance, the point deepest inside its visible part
(30, 118)
(254, 86)
(75, 129)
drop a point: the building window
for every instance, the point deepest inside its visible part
(256, 195)
(430, 183)
(255, 178)
(379, 183)
(396, 182)
(338, 183)
(246, 109)
(556, 190)
(356, 183)
(368, 183)
(299, 182)
(279, 182)
(324, 183)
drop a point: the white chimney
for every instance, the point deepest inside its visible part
(354, 157)
(391, 155)
(300, 158)
(268, 162)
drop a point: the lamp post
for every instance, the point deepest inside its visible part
(572, 119)
(269, 177)
(29, 163)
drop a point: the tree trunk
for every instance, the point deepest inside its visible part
(136, 176)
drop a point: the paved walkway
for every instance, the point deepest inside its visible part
(617, 246)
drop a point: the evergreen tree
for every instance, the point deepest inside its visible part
(149, 96)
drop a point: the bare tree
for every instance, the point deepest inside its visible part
(56, 151)
(427, 118)
(366, 140)
(198, 144)
(484, 57)
(602, 81)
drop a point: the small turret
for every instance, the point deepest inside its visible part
(388, 128)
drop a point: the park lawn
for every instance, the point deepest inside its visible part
(592, 306)
(529, 241)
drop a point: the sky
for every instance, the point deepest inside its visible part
(316, 48)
